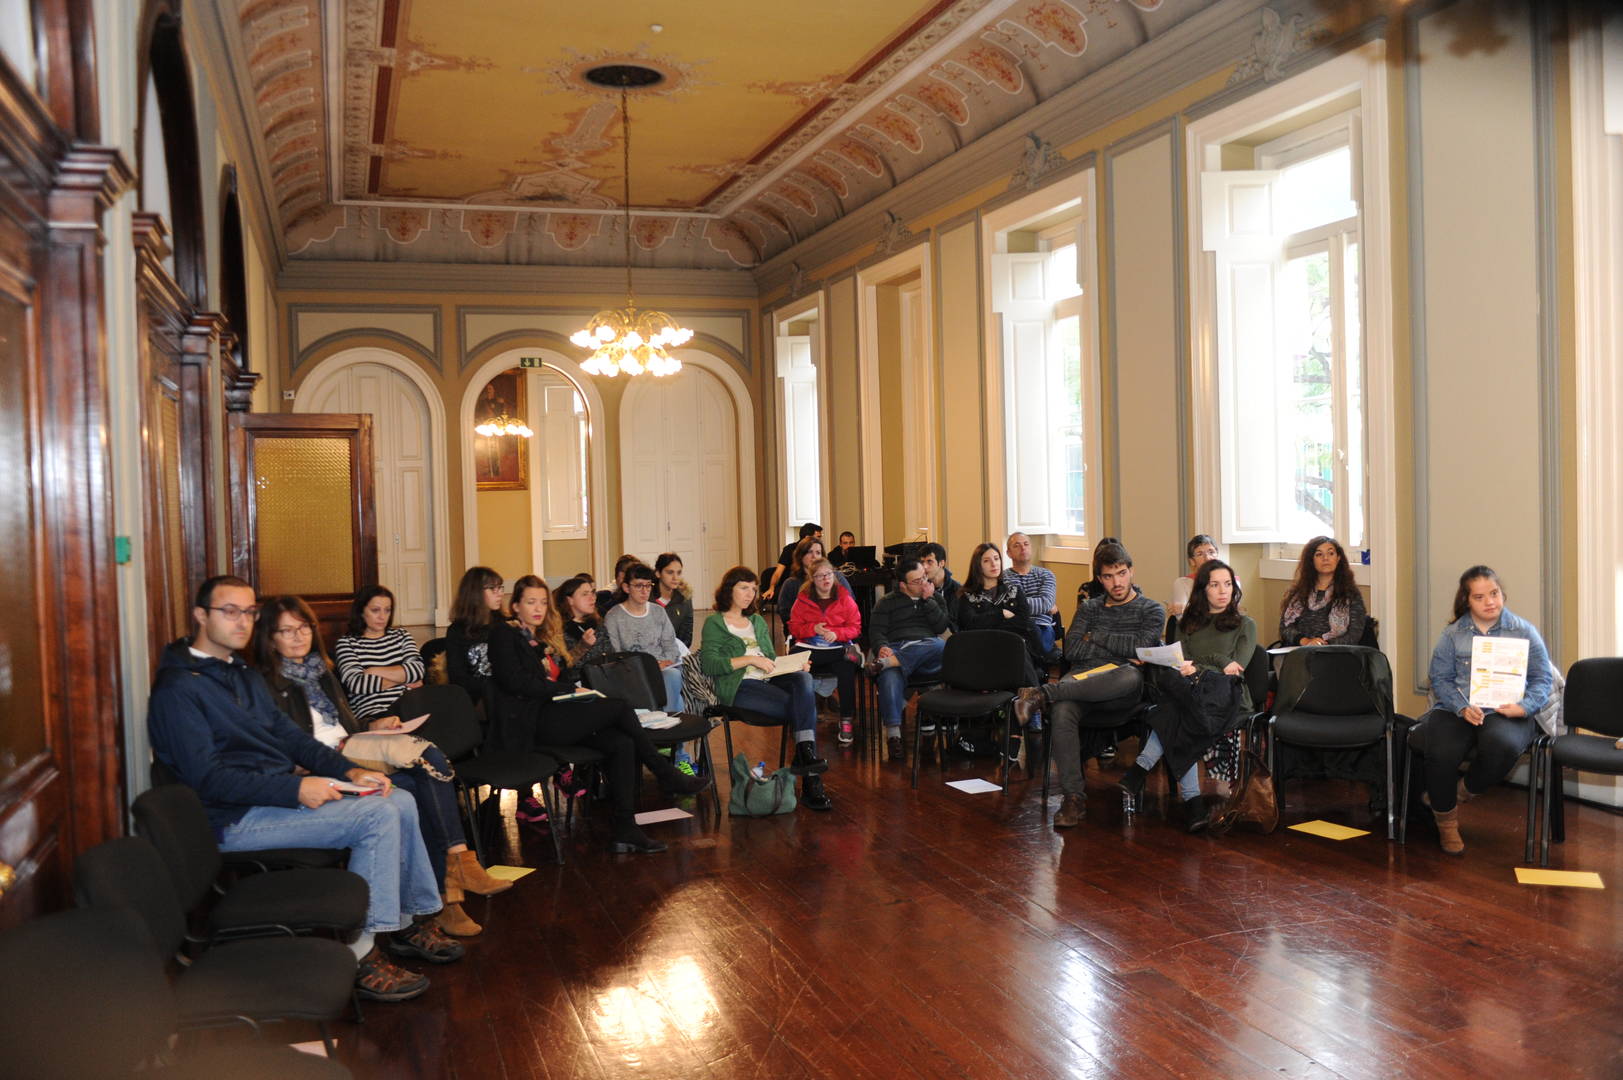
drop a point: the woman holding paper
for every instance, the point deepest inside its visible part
(735, 650)
(533, 667)
(287, 649)
(1497, 721)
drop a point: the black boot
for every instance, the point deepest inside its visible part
(812, 795)
(673, 780)
(629, 839)
(1132, 781)
(1197, 815)
(806, 762)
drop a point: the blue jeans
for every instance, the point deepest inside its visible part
(922, 657)
(673, 688)
(437, 814)
(1188, 783)
(1044, 627)
(787, 697)
(385, 847)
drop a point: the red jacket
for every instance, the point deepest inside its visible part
(841, 616)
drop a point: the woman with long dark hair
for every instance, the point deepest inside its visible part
(1216, 637)
(672, 595)
(287, 649)
(583, 627)
(480, 598)
(1499, 734)
(988, 600)
(826, 623)
(532, 665)
(377, 661)
(1323, 605)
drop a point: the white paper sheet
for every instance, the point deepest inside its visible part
(1498, 671)
(404, 729)
(1166, 655)
(976, 786)
(654, 817)
(790, 662)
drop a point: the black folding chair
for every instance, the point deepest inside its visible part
(252, 981)
(83, 994)
(1416, 739)
(1333, 710)
(635, 677)
(982, 669)
(286, 901)
(1594, 701)
(268, 858)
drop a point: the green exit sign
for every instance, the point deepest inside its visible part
(529, 361)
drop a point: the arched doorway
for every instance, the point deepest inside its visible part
(679, 475)
(408, 440)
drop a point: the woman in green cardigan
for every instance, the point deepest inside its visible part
(736, 651)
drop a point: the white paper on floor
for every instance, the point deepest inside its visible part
(316, 1047)
(653, 817)
(976, 786)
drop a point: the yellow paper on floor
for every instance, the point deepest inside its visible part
(1572, 879)
(1094, 671)
(509, 873)
(1329, 830)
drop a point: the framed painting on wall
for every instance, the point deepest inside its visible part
(501, 462)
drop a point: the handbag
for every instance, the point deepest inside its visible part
(629, 676)
(754, 797)
(386, 752)
(1252, 802)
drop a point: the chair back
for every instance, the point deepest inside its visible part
(1257, 672)
(81, 995)
(162, 774)
(1171, 634)
(1331, 682)
(1371, 638)
(453, 722)
(128, 872)
(172, 817)
(633, 677)
(983, 660)
(1594, 696)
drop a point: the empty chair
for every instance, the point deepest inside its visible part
(982, 669)
(172, 817)
(646, 690)
(83, 994)
(253, 981)
(1335, 697)
(1594, 701)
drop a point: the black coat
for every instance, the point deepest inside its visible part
(522, 689)
(1194, 711)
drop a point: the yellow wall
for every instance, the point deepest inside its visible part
(504, 532)
(566, 557)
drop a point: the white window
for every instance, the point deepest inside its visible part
(1050, 378)
(1285, 237)
(564, 429)
(802, 457)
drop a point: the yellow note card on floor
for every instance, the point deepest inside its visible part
(1329, 830)
(509, 873)
(1094, 671)
(1573, 879)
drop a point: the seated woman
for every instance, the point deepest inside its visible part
(988, 600)
(672, 595)
(607, 598)
(1323, 605)
(480, 598)
(1499, 734)
(636, 625)
(287, 650)
(807, 552)
(826, 623)
(583, 627)
(377, 661)
(735, 649)
(532, 665)
(1200, 548)
(1216, 636)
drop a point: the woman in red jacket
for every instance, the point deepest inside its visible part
(824, 621)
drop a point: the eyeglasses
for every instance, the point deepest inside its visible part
(233, 612)
(640, 585)
(498, 587)
(301, 630)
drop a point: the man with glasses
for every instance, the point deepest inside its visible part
(268, 784)
(905, 633)
(635, 625)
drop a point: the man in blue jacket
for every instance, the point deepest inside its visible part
(268, 784)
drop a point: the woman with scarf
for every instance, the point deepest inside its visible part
(287, 649)
(1323, 605)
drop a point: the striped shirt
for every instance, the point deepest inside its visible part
(1039, 588)
(368, 695)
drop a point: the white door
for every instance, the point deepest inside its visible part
(400, 438)
(679, 474)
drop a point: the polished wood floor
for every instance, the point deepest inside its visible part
(934, 933)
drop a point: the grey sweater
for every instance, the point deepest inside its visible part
(898, 618)
(1101, 634)
(650, 632)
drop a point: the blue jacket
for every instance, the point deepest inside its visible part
(217, 727)
(1450, 671)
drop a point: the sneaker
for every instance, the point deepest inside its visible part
(848, 731)
(685, 766)
(569, 785)
(531, 811)
(425, 941)
(378, 980)
(893, 746)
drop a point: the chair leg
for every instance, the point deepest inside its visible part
(1403, 814)
(1048, 750)
(1548, 768)
(1555, 779)
(1391, 822)
(783, 746)
(727, 734)
(918, 739)
(1533, 782)
(551, 800)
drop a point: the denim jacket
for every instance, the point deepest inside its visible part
(1450, 671)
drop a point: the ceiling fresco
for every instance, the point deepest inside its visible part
(457, 131)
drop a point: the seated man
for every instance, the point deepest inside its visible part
(934, 560)
(841, 555)
(1038, 586)
(1107, 630)
(266, 783)
(905, 632)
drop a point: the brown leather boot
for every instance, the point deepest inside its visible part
(1448, 831)
(451, 918)
(1072, 809)
(463, 871)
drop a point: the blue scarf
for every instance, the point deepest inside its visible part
(307, 675)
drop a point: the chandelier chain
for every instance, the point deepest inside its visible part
(625, 174)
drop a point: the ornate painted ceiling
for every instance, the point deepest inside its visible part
(463, 131)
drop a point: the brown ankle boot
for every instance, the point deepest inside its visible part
(1448, 831)
(456, 922)
(463, 870)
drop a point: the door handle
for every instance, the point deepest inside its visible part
(8, 877)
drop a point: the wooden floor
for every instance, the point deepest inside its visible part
(934, 933)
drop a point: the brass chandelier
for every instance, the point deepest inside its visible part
(628, 339)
